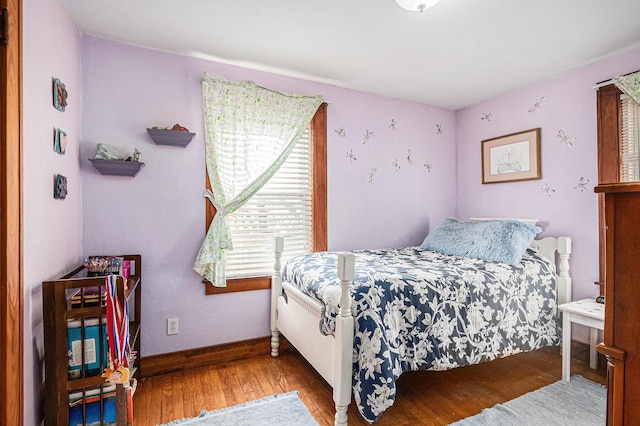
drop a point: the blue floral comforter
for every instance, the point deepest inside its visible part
(421, 310)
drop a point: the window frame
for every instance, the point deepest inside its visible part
(609, 117)
(12, 321)
(608, 109)
(319, 207)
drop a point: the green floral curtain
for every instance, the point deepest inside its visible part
(249, 133)
(630, 85)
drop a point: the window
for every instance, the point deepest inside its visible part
(629, 139)
(292, 204)
(618, 147)
(281, 207)
(618, 160)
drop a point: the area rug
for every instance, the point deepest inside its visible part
(285, 409)
(579, 402)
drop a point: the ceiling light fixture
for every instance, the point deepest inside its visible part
(416, 5)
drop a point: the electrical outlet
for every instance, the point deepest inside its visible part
(172, 326)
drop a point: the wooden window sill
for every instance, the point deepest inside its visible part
(240, 284)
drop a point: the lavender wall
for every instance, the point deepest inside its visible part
(52, 228)
(566, 207)
(160, 212)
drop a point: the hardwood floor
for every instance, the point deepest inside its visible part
(424, 398)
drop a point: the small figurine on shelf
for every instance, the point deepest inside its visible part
(137, 155)
(108, 152)
(177, 135)
(178, 128)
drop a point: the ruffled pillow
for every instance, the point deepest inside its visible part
(500, 240)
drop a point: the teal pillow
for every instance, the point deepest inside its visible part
(500, 240)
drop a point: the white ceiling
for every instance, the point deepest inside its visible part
(456, 54)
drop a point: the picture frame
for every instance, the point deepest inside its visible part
(59, 187)
(59, 95)
(511, 158)
(60, 141)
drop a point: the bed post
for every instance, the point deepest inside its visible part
(344, 336)
(563, 278)
(276, 292)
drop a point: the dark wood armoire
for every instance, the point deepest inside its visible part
(621, 346)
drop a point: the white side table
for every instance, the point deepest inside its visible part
(586, 312)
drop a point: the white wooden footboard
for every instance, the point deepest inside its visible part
(344, 339)
(300, 321)
(276, 292)
(298, 318)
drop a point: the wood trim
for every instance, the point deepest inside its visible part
(209, 355)
(614, 188)
(608, 118)
(601, 238)
(615, 383)
(11, 232)
(319, 207)
(242, 284)
(611, 353)
(319, 203)
(608, 265)
(608, 109)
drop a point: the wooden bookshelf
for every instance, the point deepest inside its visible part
(76, 303)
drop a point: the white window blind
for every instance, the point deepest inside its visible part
(629, 140)
(281, 207)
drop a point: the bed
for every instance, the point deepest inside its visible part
(361, 319)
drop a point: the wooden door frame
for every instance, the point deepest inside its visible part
(11, 232)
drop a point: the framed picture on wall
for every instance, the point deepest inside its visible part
(60, 141)
(59, 95)
(59, 187)
(511, 158)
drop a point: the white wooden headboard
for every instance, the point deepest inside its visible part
(548, 247)
(529, 221)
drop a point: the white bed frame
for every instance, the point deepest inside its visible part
(298, 317)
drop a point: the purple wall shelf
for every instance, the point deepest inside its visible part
(170, 137)
(116, 167)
